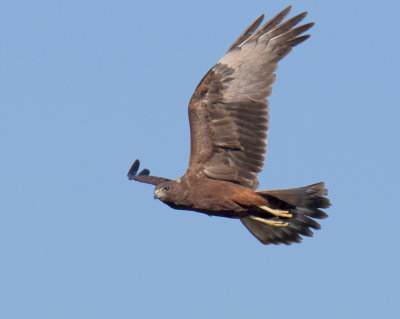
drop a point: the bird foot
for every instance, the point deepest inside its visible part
(270, 222)
(276, 212)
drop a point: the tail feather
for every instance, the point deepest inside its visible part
(311, 196)
(303, 204)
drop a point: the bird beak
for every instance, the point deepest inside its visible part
(157, 194)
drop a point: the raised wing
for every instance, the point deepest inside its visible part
(144, 175)
(228, 111)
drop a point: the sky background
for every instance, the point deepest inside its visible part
(89, 86)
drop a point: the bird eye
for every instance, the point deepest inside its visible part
(166, 188)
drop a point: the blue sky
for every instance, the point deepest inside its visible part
(89, 86)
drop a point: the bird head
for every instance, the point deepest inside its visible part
(163, 191)
(172, 193)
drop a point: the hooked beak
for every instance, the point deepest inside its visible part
(157, 194)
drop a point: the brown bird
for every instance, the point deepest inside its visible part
(229, 120)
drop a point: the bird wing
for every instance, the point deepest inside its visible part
(228, 111)
(144, 175)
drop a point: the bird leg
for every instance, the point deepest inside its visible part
(276, 212)
(270, 222)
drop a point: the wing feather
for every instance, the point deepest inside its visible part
(144, 175)
(228, 111)
(248, 32)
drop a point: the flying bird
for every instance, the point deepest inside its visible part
(228, 114)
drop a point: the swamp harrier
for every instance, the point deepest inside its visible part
(228, 116)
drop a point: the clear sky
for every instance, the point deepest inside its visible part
(89, 86)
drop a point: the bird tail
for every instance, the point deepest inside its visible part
(291, 213)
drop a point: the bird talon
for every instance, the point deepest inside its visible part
(270, 222)
(276, 212)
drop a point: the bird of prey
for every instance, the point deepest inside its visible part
(228, 114)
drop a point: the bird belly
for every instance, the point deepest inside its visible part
(220, 198)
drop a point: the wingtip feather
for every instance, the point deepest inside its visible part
(144, 172)
(134, 168)
(133, 171)
(287, 9)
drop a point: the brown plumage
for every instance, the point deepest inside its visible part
(228, 116)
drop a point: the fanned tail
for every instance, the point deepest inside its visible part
(292, 214)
